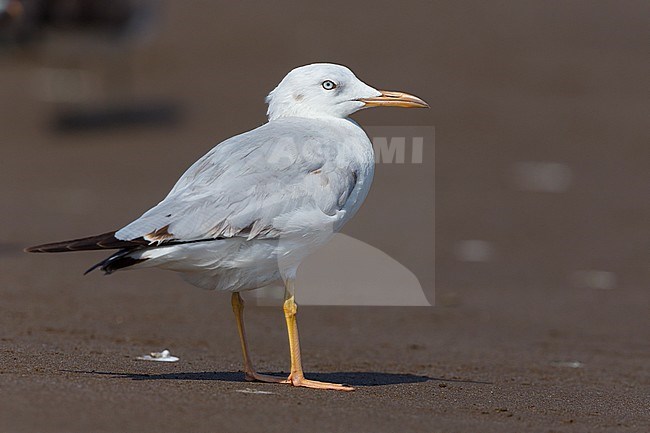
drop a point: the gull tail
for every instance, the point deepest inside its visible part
(99, 242)
(119, 260)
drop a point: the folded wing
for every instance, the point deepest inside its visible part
(245, 185)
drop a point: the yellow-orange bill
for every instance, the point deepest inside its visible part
(394, 99)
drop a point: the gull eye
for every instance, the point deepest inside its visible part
(329, 85)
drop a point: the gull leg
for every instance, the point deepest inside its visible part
(249, 371)
(297, 378)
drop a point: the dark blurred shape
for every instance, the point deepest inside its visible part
(144, 113)
(19, 21)
(111, 16)
(23, 21)
(73, 37)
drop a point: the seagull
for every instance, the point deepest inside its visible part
(246, 214)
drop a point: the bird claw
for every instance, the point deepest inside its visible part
(295, 381)
(306, 383)
(256, 377)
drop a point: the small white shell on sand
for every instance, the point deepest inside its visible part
(163, 356)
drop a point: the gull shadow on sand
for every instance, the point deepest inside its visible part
(360, 378)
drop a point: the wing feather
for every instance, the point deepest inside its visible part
(247, 185)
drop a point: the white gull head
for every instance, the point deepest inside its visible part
(318, 90)
(323, 90)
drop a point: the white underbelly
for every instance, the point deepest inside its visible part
(237, 264)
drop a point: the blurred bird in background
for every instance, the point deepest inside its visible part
(85, 49)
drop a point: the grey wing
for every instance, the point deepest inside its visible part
(249, 186)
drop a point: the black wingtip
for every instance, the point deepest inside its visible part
(92, 268)
(102, 266)
(99, 242)
(119, 260)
